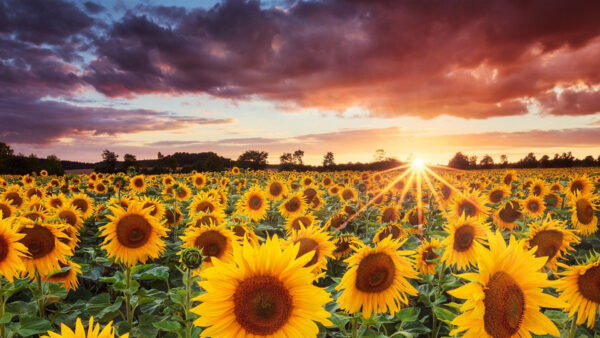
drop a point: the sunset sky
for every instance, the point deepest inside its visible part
(427, 78)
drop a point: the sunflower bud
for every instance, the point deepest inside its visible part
(192, 258)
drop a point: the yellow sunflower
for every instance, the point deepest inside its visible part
(509, 177)
(552, 240)
(133, 235)
(376, 279)
(552, 199)
(297, 222)
(504, 298)
(70, 215)
(83, 203)
(425, 254)
(67, 278)
(199, 180)
(393, 231)
(348, 194)
(336, 221)
(507, 214)
(465, 236)
(157, 208)
(469, 204)
(207, 218)
(583, 210)
(100, 188)
(182, 193)
(214, 241)
(345, 245)
(389, 214)
(579, 288)
(12, 251)
(56, 201)
(314, 242)
(534, 206)
(253, 204)
(276, 190)
(264, 291)
(173, 216)
(168, 180)
(581, 185)
(6, 209)
(292, 206)
(93, 331)
(44, 245)
(243, 233)
(204, 203)
(13, 194)
(497, 194)
(138, 184)
(538, 188)
(416, 216)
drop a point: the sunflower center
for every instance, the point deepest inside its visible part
(275, 189)
(205, 206)
(537, 190)
(341, 246)
(508, 179)
(14, 198)
(307, 245)
(199, 181)
(551, 200)
(154, 208)
(5, 211)
(375, 273)
(62, 274)
(81, 204)
(293, 205)
(302, 220)
(56, 203)
(589, 284)
(510, 212)
(400, 185)
(496, 196)
(262, 305)
(38, 240)
(212, 243)
(138, 183)
(576, 186)
(255, 202)
(206, 220)
(429, 254)
(467, 208)
(68, 216)
(3, 248)
(463, 237)
(389, 215)
(446, 191)
(585, 211)
(504, 306)
(239, 230)
(337, 220)
(133, 231)
(414, 218)
(347, 194)
(548, 243)
(533, 206)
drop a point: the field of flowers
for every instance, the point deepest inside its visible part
(411, 252)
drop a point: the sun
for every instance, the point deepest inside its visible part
(417, 163)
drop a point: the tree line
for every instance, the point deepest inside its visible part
(564, 160)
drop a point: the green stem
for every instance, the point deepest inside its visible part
(41, 301)
(128, 310)
(573, 327)
(2, 328)
(354, 322)
(188, 303)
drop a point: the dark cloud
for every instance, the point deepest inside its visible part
(93, 8)
(42, 122)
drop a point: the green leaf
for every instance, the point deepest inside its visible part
(159, 272)
(409, 314)
(443, 314)
(167, 325)
(32, 325)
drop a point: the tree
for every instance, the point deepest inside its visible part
(6, 155)
(109, 161)
(529, 161)
(53, 165)
(328, 159)
(503, 161)
(253, 159)
(588, 161)
(130, 160)
(298, 154)
(459, 161)
(486, 162)
(473, 161)
(380, 155)
(286, 158)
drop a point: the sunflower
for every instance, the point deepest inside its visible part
(425, 254)
(292, 206)
(168, 180)
(509, 177)
(307, 181)
(138, 184)
(326, 182)
(344, 245)
(394, 231)
(465, 236)
(44, 245)
(336, 221)
(123, 201)
(504, 298)
(580, 185)
(507, 214)
(6, 209)
(446, 194)
(100, 188)
(220, 196)
(67, 278)
(56, 201)
(70, 215)
(36, 215)
(93, 331)
(157, 208)
(348, 194)
(34, 191)
(538, 188)
(314, 242)
(182, 193)
(204, 203)
(297, 222)
(214, 241)
(579, 288)
(244, 233)
(235, 170)
(71, 236)
(551, 239)
(264, 291)
(416, 216)
(497, 194)
(12, 251)
(583, 209)
(173, 216)
(334, 190)
(14, 195)
(83, 203)
(133, 235)
(376, 279)
(552, 199)
(470, 205)
(534, 206)
(389, 214)
(253, 204)
(199, 180)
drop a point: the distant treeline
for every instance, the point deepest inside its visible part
(564, 160)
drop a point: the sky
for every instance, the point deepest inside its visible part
(415, 78)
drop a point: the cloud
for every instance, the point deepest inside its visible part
(24, 122)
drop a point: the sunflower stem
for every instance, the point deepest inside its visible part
(188, 301)
(41, 299)
(573, 328)
(128, 297)
(2, 328)
(354, 322)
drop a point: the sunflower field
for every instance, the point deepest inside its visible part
(410, 252)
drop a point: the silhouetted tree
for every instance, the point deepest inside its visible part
(286, 158)
(253, 159)
(298, 154)
(109, 162)
(486, 162)
(328, 159)
(53, 165)
(129, 160)
(459, 161)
